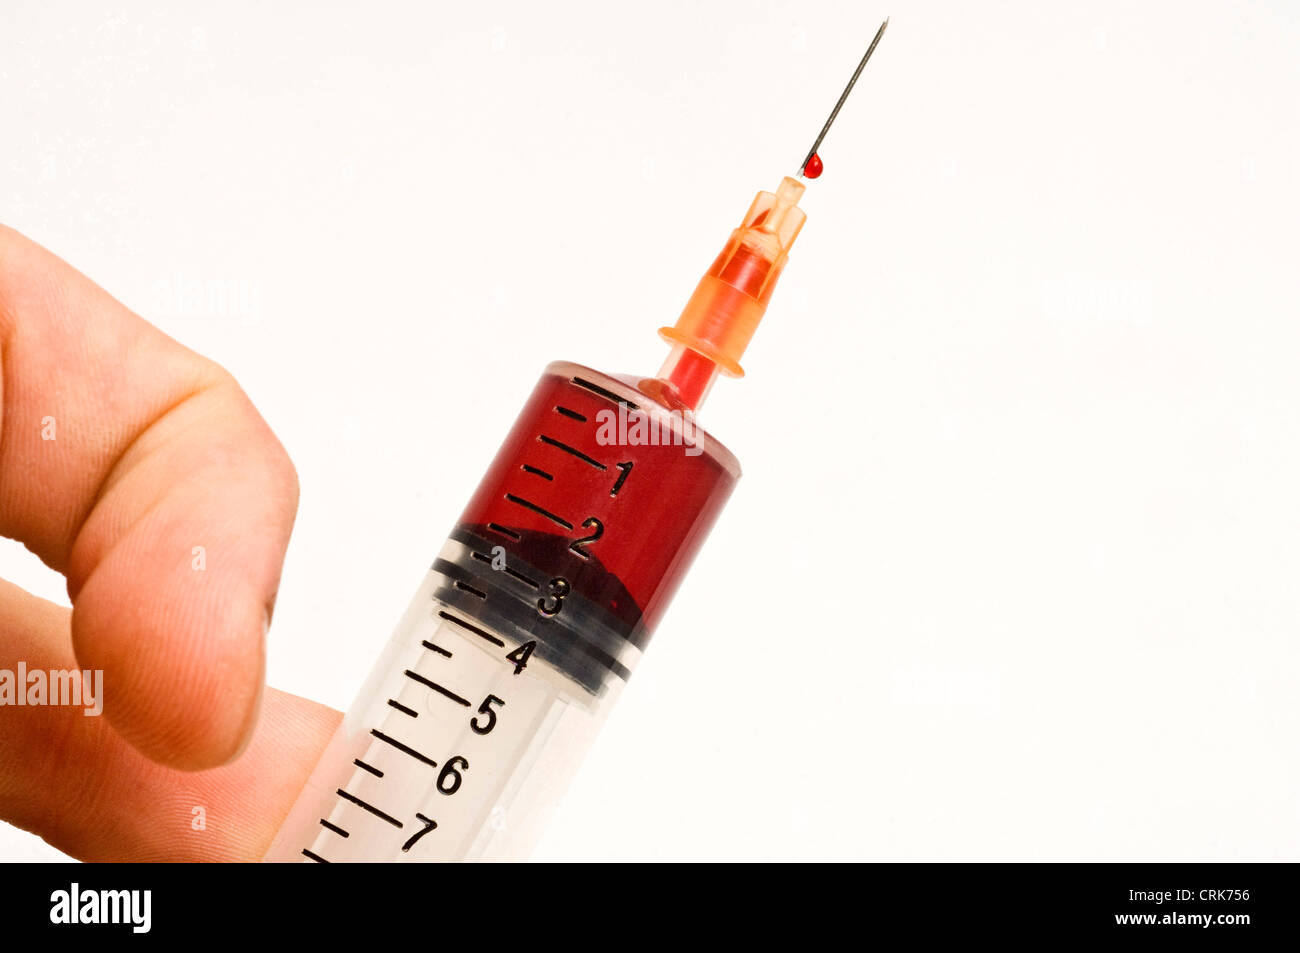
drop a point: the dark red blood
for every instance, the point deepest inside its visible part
(813, 167)
(648, 532)
(692, 375)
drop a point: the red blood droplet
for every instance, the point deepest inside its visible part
(813, 167)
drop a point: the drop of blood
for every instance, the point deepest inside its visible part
(813, 167)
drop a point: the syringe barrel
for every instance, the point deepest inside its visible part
(522, 634)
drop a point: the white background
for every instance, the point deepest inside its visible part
(1013, 571)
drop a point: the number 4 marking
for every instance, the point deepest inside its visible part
(521, 655)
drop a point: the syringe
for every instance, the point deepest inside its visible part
(540, 603)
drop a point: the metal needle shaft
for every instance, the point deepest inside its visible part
(844, 95)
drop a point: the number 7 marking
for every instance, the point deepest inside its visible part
(429, 824)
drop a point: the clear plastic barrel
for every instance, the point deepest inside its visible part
(458, 748)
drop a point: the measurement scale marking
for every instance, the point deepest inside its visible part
(528, 505)
(485, 558)
(522, 578)
(316, 857)
(529, 468)
(573, 450)
(368, 807)
(507, 533)
(405, 749)
(334, 827)
(570, 413)
(366, 767)
(437, 688)
(466, 587)
(402, 708)
(436, 648)
(607, 394)
(473, 628)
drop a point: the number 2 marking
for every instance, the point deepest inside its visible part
(576, 546)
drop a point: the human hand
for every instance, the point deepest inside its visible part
(120, 452)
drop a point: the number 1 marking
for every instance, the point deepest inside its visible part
(622, 477)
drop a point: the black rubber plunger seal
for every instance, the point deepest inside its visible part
(582, 632)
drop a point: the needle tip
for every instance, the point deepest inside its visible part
(808, 169)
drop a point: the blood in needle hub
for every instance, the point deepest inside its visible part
(539, 604)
